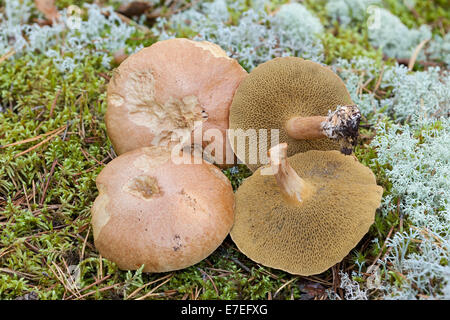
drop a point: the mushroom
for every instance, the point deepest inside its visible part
(305, 213)
(307, 102)
(154, 212)
(173, 92)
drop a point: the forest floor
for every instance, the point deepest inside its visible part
(53, 142)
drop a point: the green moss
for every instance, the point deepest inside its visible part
(347, 44)
(66, 3)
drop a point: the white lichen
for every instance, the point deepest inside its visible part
(439, 49)
(352, 289)
(414, 95)
(417, 95)
(349, 12)
(419, 171)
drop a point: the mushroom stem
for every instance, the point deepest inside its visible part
(294, 188)
(341, 125)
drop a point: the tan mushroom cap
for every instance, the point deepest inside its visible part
(339, 200)
(154, 212)
(162, 91)
(280, 90)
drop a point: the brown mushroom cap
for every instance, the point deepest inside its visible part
(160, 92)
(279, 90)
(154, 212)
(340, 196)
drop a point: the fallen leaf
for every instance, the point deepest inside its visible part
(48, 8)
(312, 289)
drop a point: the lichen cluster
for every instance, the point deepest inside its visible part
(53, 99)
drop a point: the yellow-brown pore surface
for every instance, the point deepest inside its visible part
(310, 237)
(280, 89)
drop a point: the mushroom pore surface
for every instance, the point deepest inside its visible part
(160, 95)
(308, 236)
(154, 212)
(278, 91)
